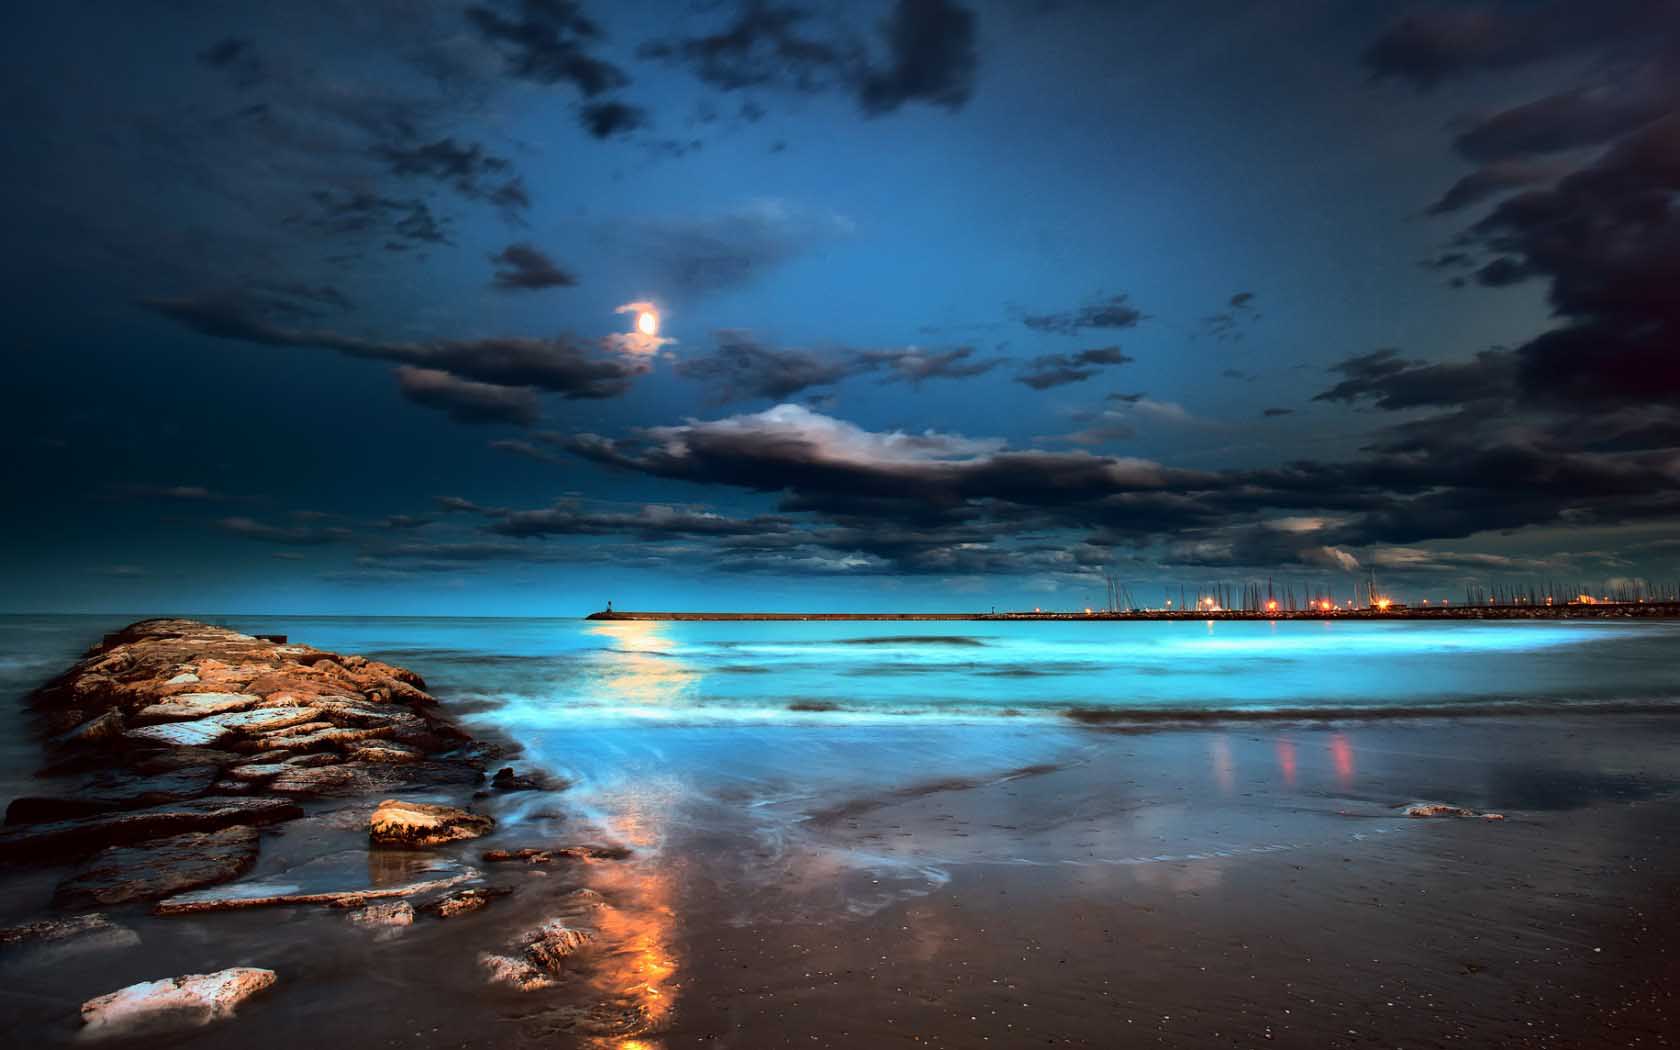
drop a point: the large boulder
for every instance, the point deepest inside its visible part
(194, 999)
(419, 825)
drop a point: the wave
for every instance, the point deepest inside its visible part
(913, 639)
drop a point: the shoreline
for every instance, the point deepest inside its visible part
(1600, 611)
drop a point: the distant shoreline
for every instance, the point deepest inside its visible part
(1599, 611)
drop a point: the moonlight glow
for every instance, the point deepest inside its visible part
(647, 322)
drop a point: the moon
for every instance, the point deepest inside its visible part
(647, 322)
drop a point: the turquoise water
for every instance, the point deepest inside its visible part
(539, 673)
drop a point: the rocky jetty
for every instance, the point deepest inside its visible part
(172, 742)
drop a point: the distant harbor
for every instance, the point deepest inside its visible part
(1516, 611)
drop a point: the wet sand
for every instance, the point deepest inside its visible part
(1241, 885)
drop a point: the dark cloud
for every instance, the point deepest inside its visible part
(291, 535)
(173, 493)
(1112, 313)
(926, 53)
(604, 120)
(1565, 121)
(914, 365)
(1052, 370)
(650, 521)
(1392, 382)
(707, 254)
(407, 222)
(523, 267)
(931, 58)
(467, 168)
(1447, 41)
(560, 365)
(547, 41)
(468, 401)
(764, 45)
(1488, 182)
(1274, 412)
(238, 58)
(741, 367)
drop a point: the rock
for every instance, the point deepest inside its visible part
(1442, 809)
(464, 902)
(309, 738)
(183, 758)
(548, 945)
(314, 780)
(110, 792)
(201, 733)
(67, 838)
(385, 751)
(106, 729)
(83, 931)
(507, 780)
(319, 758)
(528, 855)
(396, 913)
(257, 772)
(194, 999)
(272, 894)
(160, 868)
(418, 825)
(182, 679)
(268, 719)
(516, 973)
(184, 707)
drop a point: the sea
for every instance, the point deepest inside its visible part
(667, 725)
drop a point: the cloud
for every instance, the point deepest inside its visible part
(708, 254)
(1114, 312)
(522, 267)
(291, 535)
(175, 493)
(1450, 41)
(547, 41)
(560, 365)
(605, 120)
(1392, 382)
(1272, 413)
(238, 58)
(464, 167)
(925, 52)
(1051, 370)
(1483, 184)
(931, 58)
(467, 401)
(741, 367)
(650, 521)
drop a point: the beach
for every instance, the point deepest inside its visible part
(830, 877)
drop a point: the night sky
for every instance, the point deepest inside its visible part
(332, 306)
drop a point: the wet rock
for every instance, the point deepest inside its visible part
(547, 946)
(385, 751)
(160, 868)
(1442, 809)
(185, 707)
(308, 737)
(111, 792)
(528, 855)
(105, 729)
(276, 893)
(395, 913)
(515, 973)
(188, 1001)
(68, 838)
(507, 780)
(200, 733)
(418, 825)
(82, 931)
(464, 902)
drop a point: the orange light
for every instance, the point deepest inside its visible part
(1272, 606)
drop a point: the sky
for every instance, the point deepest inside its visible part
(332, 306)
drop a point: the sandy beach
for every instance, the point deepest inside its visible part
(1013, 884)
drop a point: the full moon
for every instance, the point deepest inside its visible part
(647, 322)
